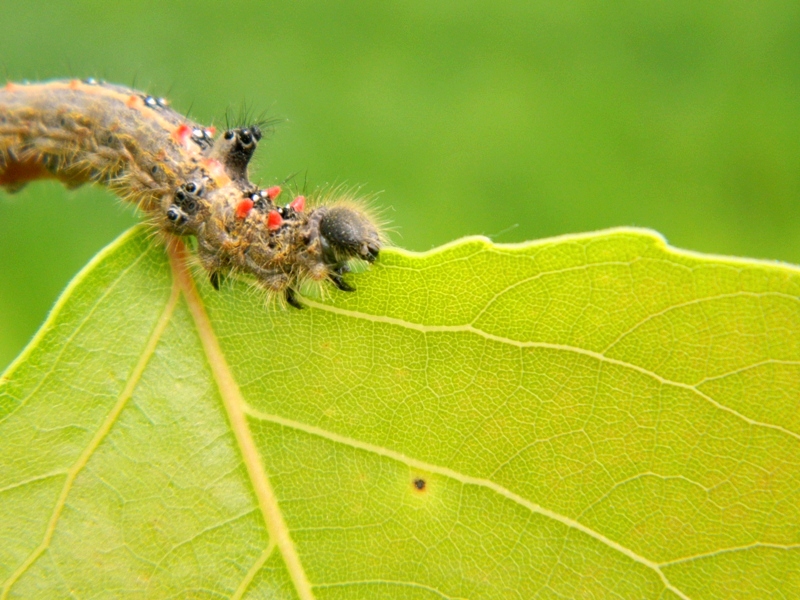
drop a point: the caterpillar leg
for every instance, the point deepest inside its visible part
(216, 278)
(277, 283)
(291, 299)
(340, 283)
(213, 266)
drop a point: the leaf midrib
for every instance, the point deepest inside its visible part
(234, 406)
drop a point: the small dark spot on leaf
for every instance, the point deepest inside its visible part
(419, 484)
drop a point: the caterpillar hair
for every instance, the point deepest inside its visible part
(186, 179)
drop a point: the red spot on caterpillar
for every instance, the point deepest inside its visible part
(274, 220)
(80, 132)
(182, 134)
(212, 131)
(244, 207)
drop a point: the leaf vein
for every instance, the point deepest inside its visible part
(388, 582)
(72, 336)
(466, 480)
(695, 302)
(744, 548)
(195, 536)
(769, 361)
(541, 274)
(30, 480)
(253, 571)
(550, 346)
(102, 432)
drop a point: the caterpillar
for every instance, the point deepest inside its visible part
(186, 179)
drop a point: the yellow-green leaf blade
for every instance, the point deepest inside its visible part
(591, 415)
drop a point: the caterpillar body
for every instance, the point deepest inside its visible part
(187, 180)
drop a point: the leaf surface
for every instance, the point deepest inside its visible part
(587, 416)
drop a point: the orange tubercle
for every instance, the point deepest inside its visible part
(243, 208)
(134, 102)
(182, 134)
(274, 220)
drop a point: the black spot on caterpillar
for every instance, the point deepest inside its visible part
(185, 179)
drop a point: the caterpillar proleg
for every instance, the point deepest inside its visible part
(187, 181)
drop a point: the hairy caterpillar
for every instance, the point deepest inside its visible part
(184, 179)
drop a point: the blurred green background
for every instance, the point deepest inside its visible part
(515, 119)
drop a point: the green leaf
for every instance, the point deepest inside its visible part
(588, 416)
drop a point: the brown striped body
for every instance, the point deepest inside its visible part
(185, 181)
(81, 132)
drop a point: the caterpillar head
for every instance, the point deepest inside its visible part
(346, 232)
